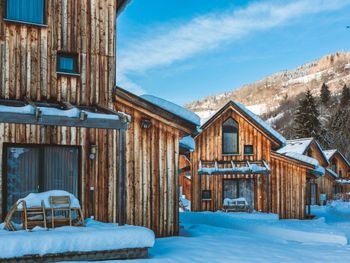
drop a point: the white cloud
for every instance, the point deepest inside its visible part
(182, 41)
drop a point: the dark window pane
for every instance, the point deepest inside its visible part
(248, 149)
(206, 194)
(61, 169)
(230, 137)
(30, 11)
(22, 166)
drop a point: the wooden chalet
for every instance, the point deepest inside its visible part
(237, 156)
(58, 129)
(152, 159)
(309, 147)
(339, 170)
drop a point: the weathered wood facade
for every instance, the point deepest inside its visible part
(152, 163)
(281, 191)
(28, 57)
(338, 168)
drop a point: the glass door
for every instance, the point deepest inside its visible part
(32, 169)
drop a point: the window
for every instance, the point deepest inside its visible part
(26, 11)
(230, 137)
(67, 64)
(334, 166)
(340, 173)
(206, 195)
(37, 168)
(248, 150)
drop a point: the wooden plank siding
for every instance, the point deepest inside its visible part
(152, 171)
(100, 173)
(208, 147)
(28, 58)
(288, 187)
(286, 182)
(28, 53)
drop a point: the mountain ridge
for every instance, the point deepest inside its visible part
(267, 94)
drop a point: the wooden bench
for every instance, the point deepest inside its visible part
(237, 206)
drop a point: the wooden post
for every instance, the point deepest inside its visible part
(267, 192)
(121, 188)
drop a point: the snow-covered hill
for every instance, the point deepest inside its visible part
(267, 94)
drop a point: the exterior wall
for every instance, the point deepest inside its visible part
(288, 188)
(28, 53)
(326, 185)
(99, 173)
(152, 173)
(209, 147)
(184, 181)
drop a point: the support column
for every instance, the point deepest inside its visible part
(121, 171)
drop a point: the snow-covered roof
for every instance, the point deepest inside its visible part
(329, 153)
(252, 116)
(188, 143)
(262, 123)
(252, 168)
(300, 146)
(331, 172)
(296, 146)
(318, 170)
(343, 181)
(173, 108)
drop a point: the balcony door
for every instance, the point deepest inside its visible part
(33, 168)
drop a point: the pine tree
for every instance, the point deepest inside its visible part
(325, 94)
(306, 117)
(345, 97)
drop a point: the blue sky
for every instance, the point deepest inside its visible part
(185, 50)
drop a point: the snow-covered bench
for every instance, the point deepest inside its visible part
(236, 205)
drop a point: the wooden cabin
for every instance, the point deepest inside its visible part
(152, 159)
(311, 148)
(58, 129)
(339, 170)
(236, 157)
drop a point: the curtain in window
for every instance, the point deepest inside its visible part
(230, 136)
(31, 11)
(39, 169)
(22, 166)
(61, 169)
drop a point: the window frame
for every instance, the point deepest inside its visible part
(248, 145)
(5, 148)
(222, 139)
(15, 21)
(208, 191)
(74, 56)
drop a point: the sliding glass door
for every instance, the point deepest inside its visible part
(31, 169)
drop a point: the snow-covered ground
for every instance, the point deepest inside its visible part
(241, 237)
(96, 236)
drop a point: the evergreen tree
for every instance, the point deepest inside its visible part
(345, 97)
(325, 94)
(306, 117)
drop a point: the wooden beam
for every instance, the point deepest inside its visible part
(61, 121)
(121, 194)
(37, 109)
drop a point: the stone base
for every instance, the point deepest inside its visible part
(129, 253)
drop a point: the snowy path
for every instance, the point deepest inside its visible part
(239, 237)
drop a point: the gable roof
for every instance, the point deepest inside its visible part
(121, 5)
(251, 117)
(173, 108)
(301, 146)
(159, 107)
(331, 153)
